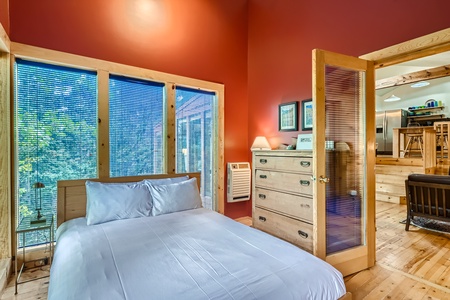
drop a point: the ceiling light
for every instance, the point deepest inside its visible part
(420, 84)
(392, 99)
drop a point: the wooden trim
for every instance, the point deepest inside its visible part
(71, 60)
(370, 163)
(103, 124)
(72, 200)
(5, 43)
(430, 44)
(220, 146)
(169, 115)
(437, 72)
(399, 161)
(319, 205)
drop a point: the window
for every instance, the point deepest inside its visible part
(56, 131)
(66, 103)
(135, 118)
(194, 128)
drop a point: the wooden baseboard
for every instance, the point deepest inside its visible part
(5, 272)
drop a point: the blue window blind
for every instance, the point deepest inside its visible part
(135, 126)
(56, 131)
(194, 136)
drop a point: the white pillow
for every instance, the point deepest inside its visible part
(108, 202)
(160, 181)
(175, 197)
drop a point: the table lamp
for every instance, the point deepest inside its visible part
(260, 143)
(38, 186)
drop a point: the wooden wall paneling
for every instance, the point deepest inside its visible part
(4, 157)
(5, 162)
(390, 181)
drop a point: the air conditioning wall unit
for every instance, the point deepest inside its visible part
(239, 181)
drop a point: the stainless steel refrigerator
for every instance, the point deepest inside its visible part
(385, 122)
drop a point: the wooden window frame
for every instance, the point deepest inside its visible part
(104, 69)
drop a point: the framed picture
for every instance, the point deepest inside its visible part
(307, 114)
(287, 116)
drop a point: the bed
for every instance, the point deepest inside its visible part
(190, 253)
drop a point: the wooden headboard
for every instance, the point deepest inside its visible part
(71, 202)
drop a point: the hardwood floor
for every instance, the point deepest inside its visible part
(32, 290)
(411, 264)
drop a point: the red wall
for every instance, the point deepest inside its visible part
(4, 15)
(201, 39)
(282, 35)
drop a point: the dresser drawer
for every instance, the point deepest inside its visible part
(291, 230)
(285, 163)
(290, 182)
(294, 205)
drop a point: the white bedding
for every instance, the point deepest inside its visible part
(194, 254)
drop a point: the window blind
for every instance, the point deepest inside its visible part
(136, 110)
(56, 130)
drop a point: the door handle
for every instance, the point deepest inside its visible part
(324, 179)
(263, 176)
(262, 196)
(261, 218)
(263, 161)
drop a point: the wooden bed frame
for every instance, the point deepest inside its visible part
(71, 202)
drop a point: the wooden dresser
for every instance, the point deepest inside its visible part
(282, 191)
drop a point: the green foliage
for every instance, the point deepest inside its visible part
(24, 211)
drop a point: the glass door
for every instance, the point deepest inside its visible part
(344, 157)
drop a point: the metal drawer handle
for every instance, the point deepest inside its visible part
(305, 163)
(303, 234)
(261, 218)
(305, 205)
(305, 182)
(263, 161)
(263, 176)
(262, 196)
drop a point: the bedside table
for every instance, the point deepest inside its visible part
(25, 226)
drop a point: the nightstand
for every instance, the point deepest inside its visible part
(24, 227)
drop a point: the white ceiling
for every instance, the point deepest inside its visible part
(424, 63)
(415, 65)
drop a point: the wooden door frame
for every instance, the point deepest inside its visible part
(423, 46)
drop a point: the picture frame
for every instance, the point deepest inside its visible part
(288, 116)
(307, 114)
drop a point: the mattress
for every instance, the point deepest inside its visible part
(193, 254)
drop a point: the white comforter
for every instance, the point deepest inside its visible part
(194, 254)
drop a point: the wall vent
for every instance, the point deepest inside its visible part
(239, 181)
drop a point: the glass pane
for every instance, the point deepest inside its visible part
(194, 128)
(56, 133)
(345, 136)
(135, 131)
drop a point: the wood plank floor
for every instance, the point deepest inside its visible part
(410, 265)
